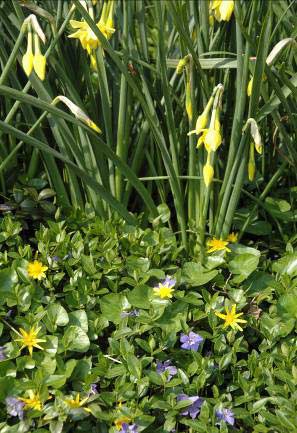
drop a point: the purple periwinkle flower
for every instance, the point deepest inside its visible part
(191, 341)
(8, 314)
(129, 428)
(166, 366)
(15, 407)
(93, 389)
(132, 313)
(194, 409)
(169, 282)
(2, 353)
(225, 415)
(55, 258)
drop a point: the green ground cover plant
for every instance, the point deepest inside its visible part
(106, 327)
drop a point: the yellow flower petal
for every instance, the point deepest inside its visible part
(39, 63)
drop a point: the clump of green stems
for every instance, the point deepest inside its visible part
(144, 157)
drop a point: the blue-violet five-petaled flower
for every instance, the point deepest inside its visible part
(15, 407)
(191, 341)
(194, 409)
(225, 415)
(166, 367)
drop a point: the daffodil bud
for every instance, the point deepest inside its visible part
(278, 48)
(27, 62)
(201, 122)
(212, 140)
(189, 107)
(208, 173)
(249, 87)
(251, 164)
(78, 112)
(39, 60)
(255, 133)
(181, 64)
(217, 122)
(39, 63)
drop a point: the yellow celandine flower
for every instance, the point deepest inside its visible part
(164, 290)
(208, 174)
(36, 270)
(120, 421)
(217, 245)
(33, 401)
(29, 339)
(231, 318)
(232, 237)
(85, 34)
(76, 403)
(222, 9)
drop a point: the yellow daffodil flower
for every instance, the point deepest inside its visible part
(231, 318)
(33, 401)
(201, 124)
(29, 339)
(36, 270)
(232, 237)
(222, 9)
(212, 139)
(85, 34)
(201, 139)
(217, 245)
(208, 174)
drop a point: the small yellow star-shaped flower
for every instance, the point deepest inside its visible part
(29, 339)
(231, 318)
(36, 270)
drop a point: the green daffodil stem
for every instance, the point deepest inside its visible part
(14, 151)
(193, 196)
(262, 196)
(122, 145)
(241, 83)
(13, 54)
(106, 109)
(205, 191)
